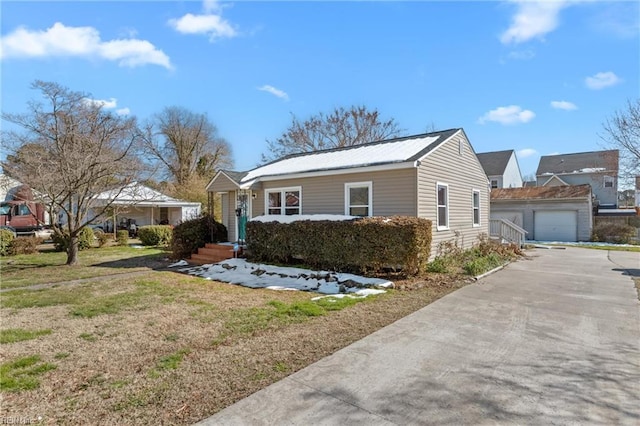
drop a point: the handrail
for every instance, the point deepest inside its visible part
(507, 231)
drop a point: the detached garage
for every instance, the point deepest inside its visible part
(547, 213)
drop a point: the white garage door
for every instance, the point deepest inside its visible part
(556, 225)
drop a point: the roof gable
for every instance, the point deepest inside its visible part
(495, 163)
(134, 192)
(581, 162)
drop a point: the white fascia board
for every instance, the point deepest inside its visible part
(333, 172)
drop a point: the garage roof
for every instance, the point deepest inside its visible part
(542, 192)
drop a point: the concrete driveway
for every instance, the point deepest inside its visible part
(550, 340)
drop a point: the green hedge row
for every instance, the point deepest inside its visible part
(360, 246)
(193, 234)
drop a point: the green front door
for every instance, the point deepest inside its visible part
(242, 214)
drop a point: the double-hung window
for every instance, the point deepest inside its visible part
(476, 207)
(609, 181)
(442, 190)
(283, 201)
(358, 199)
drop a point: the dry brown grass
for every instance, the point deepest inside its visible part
(110, 367)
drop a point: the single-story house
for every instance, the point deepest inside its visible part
(434, 175)
(146, 206)
(597, 168)
(547, 213)
(502, 168)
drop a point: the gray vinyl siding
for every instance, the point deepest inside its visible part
(529, 207)
(232, 228)
(394, 192)
(463, 174)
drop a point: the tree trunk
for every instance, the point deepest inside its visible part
(72, 251)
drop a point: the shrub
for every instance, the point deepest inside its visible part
(122, 237)
(192, 234)
(363, 245)
(102, 238)
(85, 238)
(61, 240)
(25, 245)
(6, 237)
(155, 235)
(611, 232)
(440, 265)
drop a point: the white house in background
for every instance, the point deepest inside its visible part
(435, 176)
(146, 206)
(8, 185)
(597, 168)
(502, 169)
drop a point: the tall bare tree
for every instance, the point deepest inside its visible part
(622, 132)
(68, 151)
(186, 145)
(341, 127)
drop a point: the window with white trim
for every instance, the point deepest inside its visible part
(442, 190)
(608, 181)
(358, 199)
(494, 183)
(283, 201)
(476, 207)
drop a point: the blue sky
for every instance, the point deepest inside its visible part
(537, 77)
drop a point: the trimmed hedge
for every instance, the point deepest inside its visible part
(25, 245)
(155, 235)
(195, 233)
(611, 232)
(122, 237)
(6, 237)
(366, 245)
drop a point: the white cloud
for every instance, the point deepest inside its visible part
(602, 80)
(274, 91)
(107, 104)
(533, 19)
(111, 103)
(565, 105)
(522, 55)
(210, 23)
(85, 42)
(526, 152)
(512, 114)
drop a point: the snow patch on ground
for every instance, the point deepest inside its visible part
(298, 217)
(253, 275)
(179, 263)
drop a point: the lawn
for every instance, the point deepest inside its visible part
(49, 266)
(163, 347)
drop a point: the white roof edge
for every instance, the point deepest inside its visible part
(344, 171)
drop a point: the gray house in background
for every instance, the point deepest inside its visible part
(502, 168)
(598, 169)
(436, 176)
(547, 213)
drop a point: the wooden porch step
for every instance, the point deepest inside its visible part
(212, 253)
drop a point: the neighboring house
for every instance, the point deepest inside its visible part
(547, 213)
(598, 169)
(146, 206)
(502, 168)
(8, 186)
(435, 176)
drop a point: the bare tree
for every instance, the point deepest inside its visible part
(69, 151)
(342, 127)
(186, 145)
(622, 132)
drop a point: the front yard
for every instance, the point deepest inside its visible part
(162, 347)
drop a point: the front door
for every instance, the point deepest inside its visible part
(242, 214)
